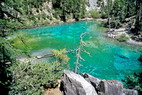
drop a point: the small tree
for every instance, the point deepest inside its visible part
(109, 7)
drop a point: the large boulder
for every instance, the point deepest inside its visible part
(74, 84)
(130, 92)
(110, 87)
(94, 81)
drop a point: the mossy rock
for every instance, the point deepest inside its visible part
(123, 38)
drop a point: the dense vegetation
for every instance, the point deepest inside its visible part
(134, 82)
(32, 79)
(124, 12)
(39, 12)
(65, 9)
(12, 72)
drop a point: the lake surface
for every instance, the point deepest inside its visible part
(108, 59)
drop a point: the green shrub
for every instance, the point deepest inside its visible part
(134, 82)
(94, 14)
(123, 38)
(61, 56)
(32, 79)
(103, 15)
(27, 23)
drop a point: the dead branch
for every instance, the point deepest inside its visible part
(47, 55)
(78, 52)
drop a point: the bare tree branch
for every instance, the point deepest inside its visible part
(78, 52)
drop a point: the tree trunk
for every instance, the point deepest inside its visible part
(108, 12)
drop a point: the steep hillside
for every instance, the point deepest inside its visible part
(38, 12)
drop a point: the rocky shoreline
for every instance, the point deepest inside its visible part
(75, 84)
(133, 42)
(57, 23)
(116, 33)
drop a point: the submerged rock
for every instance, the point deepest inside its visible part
(140, 59)
(74, 84)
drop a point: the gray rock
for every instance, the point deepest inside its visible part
(130, 92)
(94, 81)
(92, 4)
(110, 87)
(74, 84)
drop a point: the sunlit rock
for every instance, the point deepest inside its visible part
(74, 84)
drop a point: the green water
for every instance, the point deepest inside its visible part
(109, 59)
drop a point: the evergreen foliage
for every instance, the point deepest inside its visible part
(123, 9)
(120, 10)
(134, 82)
(94, 14)
(60, 56)
(76, 8)
(32, 79)
(32, 13)
(12, 76)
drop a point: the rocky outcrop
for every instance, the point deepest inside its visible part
(105, 87)
(74, 84)
(129, 92)
(110, 87)
(94, 81)
(92, 5)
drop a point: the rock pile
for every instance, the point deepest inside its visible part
(74, 84)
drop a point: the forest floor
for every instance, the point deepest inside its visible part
(53, 91)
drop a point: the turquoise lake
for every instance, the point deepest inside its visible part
(108, 59)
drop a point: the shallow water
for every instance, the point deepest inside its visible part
(108, 59)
